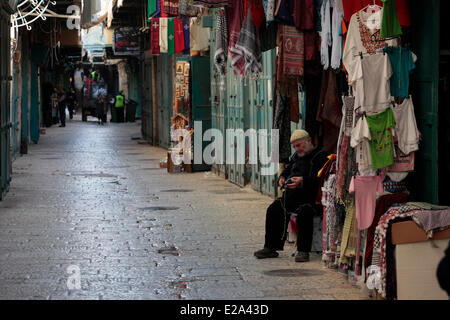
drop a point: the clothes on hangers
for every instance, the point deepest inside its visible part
(221, 54)
(369, 77)
(406, 128)
(402, 62)
(163, 33)
(390, 24)
(402, 8)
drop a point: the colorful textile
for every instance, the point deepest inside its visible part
(392, 186)
(171, 37)
(162, 9)
(257, 10)
(390, 24)
(212, 3)
(365, 190)
(304, 14)
(284, 12)
(293, 51)
(381, 142)
(187, 36)
(163, 33)
(235, 18)
(155, 36)
(220, 55)
(249, 46)
(432, 220)
(353, 6)
(349, 235)
(151, 8)
(383, 204)
(270, 10)
(402, 62)
(187, 10)
(179, 36)
(171, 7)
(380, 242)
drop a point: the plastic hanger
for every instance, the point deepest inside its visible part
(373, 8)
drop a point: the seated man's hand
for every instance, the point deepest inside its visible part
(281, 181)
(297, 182)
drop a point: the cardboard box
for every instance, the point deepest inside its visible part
(410, 232)
(417, 259)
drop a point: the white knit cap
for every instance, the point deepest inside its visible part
(299, 134)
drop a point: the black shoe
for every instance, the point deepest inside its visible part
(266, 253)
(302, 257)
(62, 126)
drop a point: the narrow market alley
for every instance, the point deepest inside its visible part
(94, 197)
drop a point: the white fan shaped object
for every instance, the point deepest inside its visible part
(28, 11)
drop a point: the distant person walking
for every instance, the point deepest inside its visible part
(120, 106)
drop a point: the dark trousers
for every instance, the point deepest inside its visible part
(277, 222)
(62, 114)
(120, 114)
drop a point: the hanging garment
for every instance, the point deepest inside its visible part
(311, 40)
(155, 36)
(381, 126)
(349, 235)
(187, 10)
(284, 12)
(171, 7)
(353, 6)
(402, 162)
(293, 52)
(157, 13)
(249, 46)
(163, 33)
(304, 14)
(382, 205)
(360, 141)
(171, 37)
(402, 62)
(406, 126)
(283, 124)
(336, 48)
(390, 24)
(270, 10)
(235, 18)
(325, 34)
(268, 36)
(257, 10)
(187, 36)
(199, 36)
(179, 36)
(151, 8)
(369, 78)
(220, 55)
(162, 9)
(212, 3)
(359, 39)
(365, 190)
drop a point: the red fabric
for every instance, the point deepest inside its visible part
(383, 204)
(179, 35)
(353, 6)
(257, 11)
(310, 45)
(163, 10)
(304, 14)
(235, 18)
(155, 36)
(171, 7)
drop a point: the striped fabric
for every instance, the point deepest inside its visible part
(293, 51)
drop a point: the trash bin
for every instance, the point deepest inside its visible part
(131, 110)
(113, 113)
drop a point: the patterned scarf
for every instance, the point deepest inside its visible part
(293, 51)
(248, 43)
(185, 9)
(220, 56)
(171, 7)
(235, 17)
(212, 3)
(155, 36)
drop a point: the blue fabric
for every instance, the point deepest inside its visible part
(402, 63)
(157, 13)
(187, 36)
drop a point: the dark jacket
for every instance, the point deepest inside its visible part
(306, 167)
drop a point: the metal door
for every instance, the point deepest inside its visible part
(15, 115)
(164, 99)
(218, 102)
(424, 88)
(238, 99)
(261, 114)
(147, 118)
(5, 125)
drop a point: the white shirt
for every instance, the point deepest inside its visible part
(78, 79)
(360, 140)
(370, 81)
(406, 126)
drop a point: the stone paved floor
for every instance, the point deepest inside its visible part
(92, 197)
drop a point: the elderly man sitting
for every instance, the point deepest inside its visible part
(300, 186)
